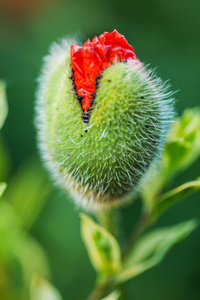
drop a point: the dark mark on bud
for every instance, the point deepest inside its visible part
(86, 115)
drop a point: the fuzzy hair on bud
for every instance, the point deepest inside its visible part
(100, 159)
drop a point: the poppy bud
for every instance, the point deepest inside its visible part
(102, 118)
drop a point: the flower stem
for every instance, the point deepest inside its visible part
(136, 233)
(110, 219)
(99, 291)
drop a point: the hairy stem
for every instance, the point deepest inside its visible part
(110, 219)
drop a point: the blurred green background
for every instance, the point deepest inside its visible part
(164, 34)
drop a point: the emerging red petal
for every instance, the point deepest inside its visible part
(89, 61)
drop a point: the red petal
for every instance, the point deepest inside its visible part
(89, 60)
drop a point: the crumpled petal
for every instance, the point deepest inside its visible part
(89, 61)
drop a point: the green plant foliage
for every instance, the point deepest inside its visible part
(43, 290)
(28, 191)
(115, 295)
(102, 247)
(4, 155)
(183, 146)
(32, 259)
(5, 160)
(3, 103)
(3, 186)
(20, 255)
(170, 198)
(164, 33)
(181, 150)
(152, 248)
(9, 239)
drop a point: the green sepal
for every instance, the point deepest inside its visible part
(101, 162)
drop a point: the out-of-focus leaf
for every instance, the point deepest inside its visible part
(5, 160)
(3, 186)
(181, 150)
(20, 255)
(10, 234)
(102, 247)
(43, 290)
(152, 184)
(4, 157)
(11, 286)
(32, 259)
(183, 146)
(115, 295)
(170, 198)
(28, 191)
(3, 103)
(152, 248)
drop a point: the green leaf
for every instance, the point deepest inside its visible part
(102, 247)
(10, 232)
(152, 248)
(115, 295)
(32, 259)
(28, 191)
(170, 198)
(3, 186)
(20, 255)
(43, 290)
(3, 103)
(152, 184)
(183, 146)
(181, 150)
(5, 160)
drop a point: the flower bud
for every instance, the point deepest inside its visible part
(102, 118)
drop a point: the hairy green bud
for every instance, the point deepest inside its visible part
(101, 161)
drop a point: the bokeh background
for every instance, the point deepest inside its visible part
(164, 34)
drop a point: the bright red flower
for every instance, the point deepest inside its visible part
(89, 61)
